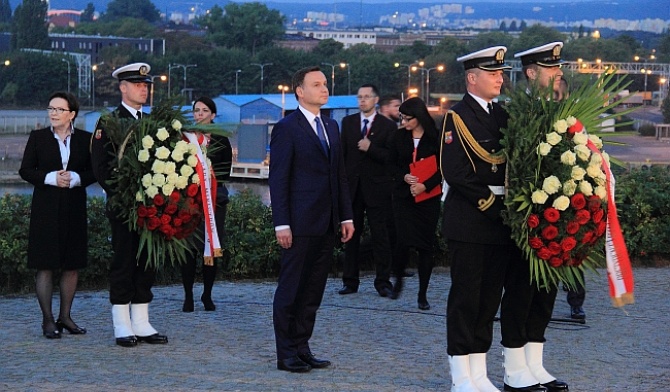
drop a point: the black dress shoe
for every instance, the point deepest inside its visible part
(293, 365)
(556, 386)
(531, 388)
(424, 305)
(577, 313)
(153, 339)
(51, 333)
(385, 292)
(312, 361)
(76, 330)
(209, 304)
(347, 290)
(128, 341)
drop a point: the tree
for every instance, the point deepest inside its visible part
(328, 49)
(30, 27)
(523, 26)
(140, 9)
(5, 12)
(247, 26)
(88, 14)
(512, 26)
(503, 26)
(663, 51)
(534, 36)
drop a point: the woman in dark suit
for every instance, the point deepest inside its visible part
(220, 153)
(415, 221)
(58, 164)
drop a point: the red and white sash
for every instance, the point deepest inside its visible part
(208, 192)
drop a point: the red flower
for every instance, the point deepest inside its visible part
(152, 211)
(572, 227)
(587, 237)
(159, 200)
(598, 216)
(544, 254)
(192, 190)
(582, 217)
(594, 203)
(535, 243)
(555, 262)
(165, 219)
(551, 215)
(171, 208)
(140, 222)
(600, 229)
(174, 197)
(153, 223)
(576, 128)
(142, 211)
(176, 222)
(554, 248)
(550, 232)
(568, 243)
(578, 201)
(533, 221)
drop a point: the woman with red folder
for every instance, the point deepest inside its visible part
(416, 204)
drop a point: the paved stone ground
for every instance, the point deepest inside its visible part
(376, 344)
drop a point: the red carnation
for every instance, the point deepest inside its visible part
(544, 254)
(535, 243)
(600, 229)
(576, 128)
(192, 190)
(594, 203)
(582, 217)
(578, 201)
(153, 223)
(142, 211)
(171, 208)
(598, 216)
(587, 237)
(174, 197)
(177, 222)
(152, 211)
(568, 244)
(555, 262)
(159, 200)
(533, 221)
(554, 248)
(551, 215)
(572, 227)
(550, 232)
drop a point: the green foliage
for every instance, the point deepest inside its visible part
(665, 109)
(647, 130)
(88, 14)
(14, 219)
(5, 11)
(30, 28)
(23, 71)
(139, 9)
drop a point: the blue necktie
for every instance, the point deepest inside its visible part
(322, 135)
(364, 130)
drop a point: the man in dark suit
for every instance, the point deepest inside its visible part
(480, 247)
(310, 201)
(129, 281)
(364, 139)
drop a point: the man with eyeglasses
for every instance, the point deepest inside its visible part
(364, 143)
(129, 281)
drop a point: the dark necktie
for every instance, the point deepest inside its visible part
(139, 114)
(490, 106)
(364, 130)
(322, 135)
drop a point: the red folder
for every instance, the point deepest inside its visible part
(424, 169)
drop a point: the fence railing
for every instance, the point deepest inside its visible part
(22, 125)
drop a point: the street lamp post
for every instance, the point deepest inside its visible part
(94, 68)
(185, 67)
(439, 68)
(332, 77)
(409, 72)
(237, 75)
(283, 89)
(348, 67)
(262, 72)
(661, 85)
(68, 74)
(151, 94)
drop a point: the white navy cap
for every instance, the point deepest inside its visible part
(548, 55)
(135, 73)
(489, 59)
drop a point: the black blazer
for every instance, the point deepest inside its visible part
(469, 180)
(366, 171)
(401, 153)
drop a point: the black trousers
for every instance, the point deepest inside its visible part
(525, 310)
(303, 273)
(577, 297)
(477, 277)
(381, 248)
(129, 280)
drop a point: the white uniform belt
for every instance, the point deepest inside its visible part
(497, 190)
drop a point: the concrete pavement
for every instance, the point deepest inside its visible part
(376, 344)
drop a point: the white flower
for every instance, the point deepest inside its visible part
(544, 149)
(172, 178)
(586, 188)
(606, 157)
(167, 189)
(162, 134)
(601, 179)
(601, 192)
(192, 149)
(139, 196)
(176, 125)
(151, 191)
(577, 173)
(583, 152)
(596, 159)
(596, 140)
(571, 121)
(181, 146)
(147, 142)
(561, 126)
(569, 187)
(561, 203)
(177, 156)
(162, 153)
(539, 196)
(181, 182)
(553, 138)
(594, 171)
(158, 166)
(580, 138)
(170, 167)
(147, 180)
(551, 185)
(186, 170)
(195, 179)
(143, 155)
(568, 158)
(192, 161)
(158, 180)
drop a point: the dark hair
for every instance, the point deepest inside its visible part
(72, 102)
(208, 102)
(299, 77)
(374, 88)
(415, 107)
(387, 99)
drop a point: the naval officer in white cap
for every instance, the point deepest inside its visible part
(129, 281)
(479, 243)
(526, 310)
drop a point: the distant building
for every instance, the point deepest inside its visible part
(298, 42)
(347, 37)
(63, 18)
(94, 44)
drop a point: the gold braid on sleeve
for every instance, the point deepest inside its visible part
(466, 138)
